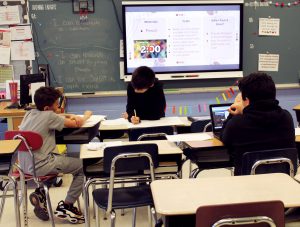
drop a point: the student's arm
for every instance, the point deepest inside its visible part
(67, 115)
(77, 121)
(130, 102)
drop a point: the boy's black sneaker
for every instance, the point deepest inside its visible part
(68, 212)
(38, 200)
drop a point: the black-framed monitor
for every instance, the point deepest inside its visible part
(25, 84)
(184, 39)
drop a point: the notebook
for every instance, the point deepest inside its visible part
(218, 114)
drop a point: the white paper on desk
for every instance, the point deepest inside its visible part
(9, 15)
(189, 137)
(21, 32)
(5, 38)
(116, 122)
(34, 87)
(95, 146)
(4, 55)
(268, 62)
(297, 131)
(165, 121)
(22, 50)
(94, 119)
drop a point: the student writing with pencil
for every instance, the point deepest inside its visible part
(145, 97)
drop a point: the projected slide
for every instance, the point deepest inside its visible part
(183, 38)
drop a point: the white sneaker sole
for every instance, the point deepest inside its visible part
(64, 216)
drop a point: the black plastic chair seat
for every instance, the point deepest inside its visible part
(4, 168)
(249, 158)
(128, 197)
(209, 159)
(207, 155)
(135, 133)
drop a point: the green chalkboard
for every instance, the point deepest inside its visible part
(84, 56)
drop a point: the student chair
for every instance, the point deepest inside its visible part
(31, 142)
(6, 180)
(170, 164)
(256, 214)
(209, 158)
(152, 133)
(201, 126)
(283, 160)
(134, 166)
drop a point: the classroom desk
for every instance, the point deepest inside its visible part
(122, 124)
(173, 198)
(7, 149)
(83, 134)
(297, 110)
(214, 142)
(165, 148)
(8, 146)
(14, 116)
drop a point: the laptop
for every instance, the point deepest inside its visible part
(218, 114)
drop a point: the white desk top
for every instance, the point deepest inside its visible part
(93, 120)
(123, 124)
(164, 147)
(184, 196)
(189, 137)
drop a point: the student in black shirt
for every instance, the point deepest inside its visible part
(145, 97)
(256, 121)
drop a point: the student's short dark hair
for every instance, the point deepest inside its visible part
(45, 96)
(257, 86)
(142, 77)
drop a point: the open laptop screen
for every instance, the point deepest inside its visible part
(218, 114)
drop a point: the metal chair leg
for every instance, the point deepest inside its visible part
(112, 218)
(149, 216)
(25, 203)
(154, 216)
(16, 200)
(94, 204)
(104, 213)
(23, 195)
(3, 197)
(133, 217)
(97, 216)
(122, 210)
(49, 205)
(86, 204)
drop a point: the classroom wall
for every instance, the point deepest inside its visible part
(114, 106)
(84, 56)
